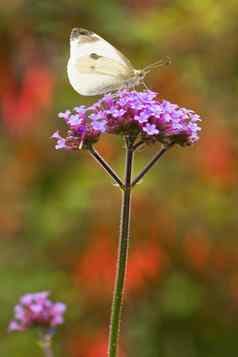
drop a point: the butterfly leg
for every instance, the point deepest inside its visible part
(115, 94)
(145, 85)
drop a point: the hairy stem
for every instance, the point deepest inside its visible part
(122, 256)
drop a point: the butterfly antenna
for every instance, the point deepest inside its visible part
(157, 64)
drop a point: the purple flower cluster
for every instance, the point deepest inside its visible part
(139, 114)
(36, 310)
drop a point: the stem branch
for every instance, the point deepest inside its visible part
(138, 144)
(150, 164)
(106, 166)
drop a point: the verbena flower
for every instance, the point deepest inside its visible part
(36, 310)
(140, 114)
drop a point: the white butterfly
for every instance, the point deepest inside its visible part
(96, 67)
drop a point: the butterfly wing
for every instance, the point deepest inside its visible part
(95, 66)
(84, 42)
(93, 74)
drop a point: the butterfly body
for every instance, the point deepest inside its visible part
(96, 67)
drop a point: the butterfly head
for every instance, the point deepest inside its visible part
(139, 75)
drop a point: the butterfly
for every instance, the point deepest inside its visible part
(96, 67)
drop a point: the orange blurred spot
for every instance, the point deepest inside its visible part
(197, 250)
(224, 259)
(159, 221)
(233, 287)
(145, 264)
(107, 148)
(169, 84)
(96, 268)
(217, 162)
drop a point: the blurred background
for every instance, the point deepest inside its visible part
(59, 213)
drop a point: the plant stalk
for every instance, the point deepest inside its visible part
(122, 255)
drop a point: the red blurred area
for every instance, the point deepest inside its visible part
(217, 161)
(95, 270)
(197, 250)
(23, 103)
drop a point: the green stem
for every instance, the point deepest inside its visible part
(122, 255)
